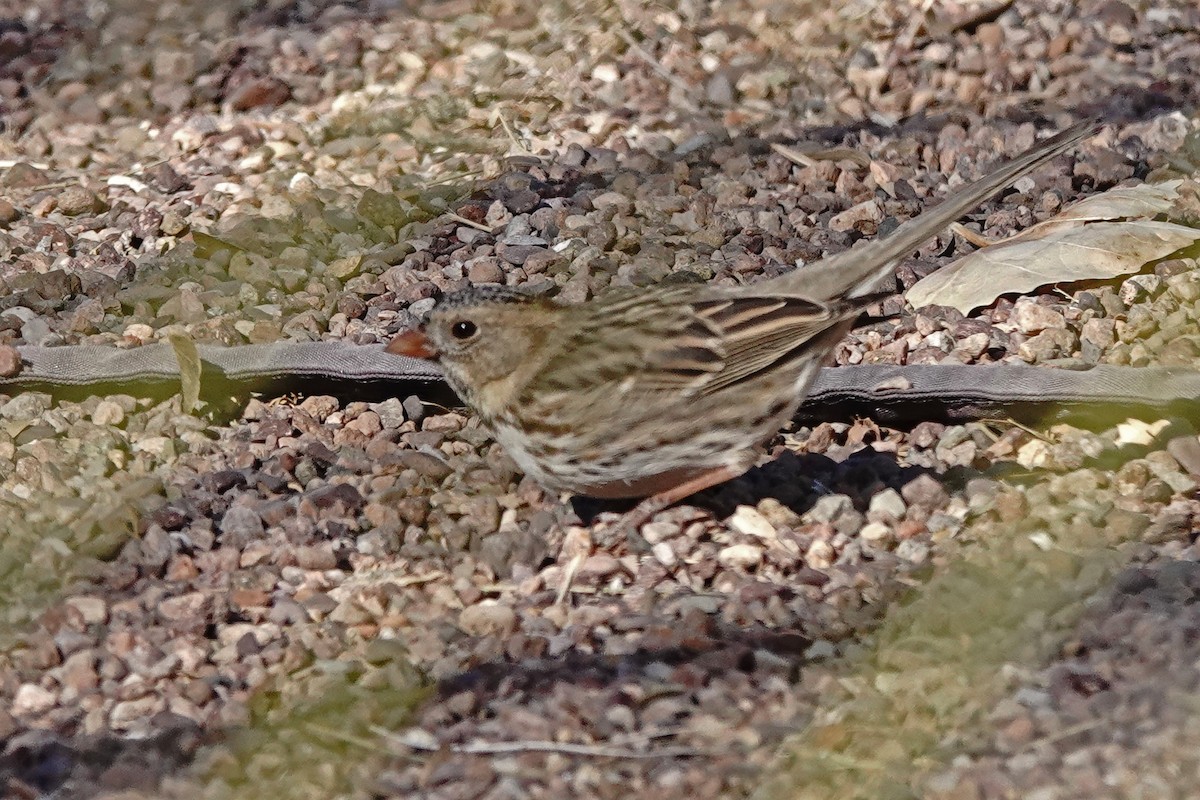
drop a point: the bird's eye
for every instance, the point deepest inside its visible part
(463, 329)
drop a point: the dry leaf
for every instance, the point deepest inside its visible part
(1098, 238)
(189, 370)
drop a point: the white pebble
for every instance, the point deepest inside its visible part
(747, 520)
(665, 554)
(740, 556)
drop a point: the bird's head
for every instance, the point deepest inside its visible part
(480, 337)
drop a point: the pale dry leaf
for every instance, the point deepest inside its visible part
(189, 370)
(1124, 202)
(1098, 238)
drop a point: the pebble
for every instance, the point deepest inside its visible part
(830, 507)
(1031, 317)
(241, 525)
(32, 699)
(876, 533)
(748, 521)
(665, 554)
(487, 619)
(10, 361)
(8, 212)
(740, 556)
(886, 505)
(75, 200)
(108, 413)
(820, 555)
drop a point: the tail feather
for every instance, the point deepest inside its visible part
(861, 270)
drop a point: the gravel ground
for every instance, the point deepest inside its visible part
(329, 597)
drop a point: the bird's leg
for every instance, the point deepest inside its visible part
(640, 514)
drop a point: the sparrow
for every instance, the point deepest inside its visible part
(661, 392)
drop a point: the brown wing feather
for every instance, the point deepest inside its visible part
(684, 340)
(652, 338)
(762, 333)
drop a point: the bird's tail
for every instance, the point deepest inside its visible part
(861, 270)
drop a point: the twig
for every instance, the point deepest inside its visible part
(341, 736)
(479, 226)
(568, 577)
(520, 145)
(1010, 421)
(808, 159)
(416, 580)
(974, 237)
(1051, 738)
(543, 746)
(793, 155)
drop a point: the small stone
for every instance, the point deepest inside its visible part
(138, 332)
(876, 533)
(259, 93)
(76, 200)
(79, 671)
(487, 618)
(887, 504)
(135, 713)
(914, 551)
(720, 90)
(665, 555)
(1186, 451)
(10, 361)
(344, 268)
(92, 609)
(820, 555)
(655, 532)
(108, 413)
(1031, 317)
(185, 307)
(485, 270)
(1018, 732)
(1034, 454)
(516, 254)
(32, 699)
(740, 556)
(240, 526)
(173, 224)
(147, 224)
(830, 507)
(748, 521)
(23, 174)
(855, 216)
(598, 566)
(391, 413)
(1185, 286)
(8, 212)
(924, 491)
(1139, 288)
(315, 557)
(1097, 335)
(1049, 344)
(184, 607)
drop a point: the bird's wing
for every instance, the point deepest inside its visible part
(638, 341)
(767, 332)
(685, 341)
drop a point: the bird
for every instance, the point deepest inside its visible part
(661, 392)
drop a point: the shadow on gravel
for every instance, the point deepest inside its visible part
(796, 480)
(41, 764)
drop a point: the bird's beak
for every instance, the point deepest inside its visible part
(414, 344)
